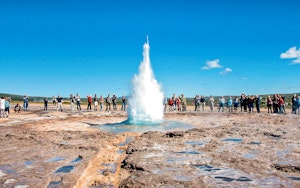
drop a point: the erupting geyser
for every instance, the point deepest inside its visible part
(146, 98)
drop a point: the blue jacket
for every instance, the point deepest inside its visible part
(229, 102)
(7, 105)
(297, 102)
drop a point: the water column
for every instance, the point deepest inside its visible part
(146, 98)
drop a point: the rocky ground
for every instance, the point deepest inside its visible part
(69, 149)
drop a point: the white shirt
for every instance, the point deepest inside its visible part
(2, 104)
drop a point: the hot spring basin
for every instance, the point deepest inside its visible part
(118, 128)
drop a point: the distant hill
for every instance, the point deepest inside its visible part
(15, 97)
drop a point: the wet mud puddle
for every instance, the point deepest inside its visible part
(13, 171)
(186, 159)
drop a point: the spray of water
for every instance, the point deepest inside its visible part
(146, 99)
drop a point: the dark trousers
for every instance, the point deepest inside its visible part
(89, 106)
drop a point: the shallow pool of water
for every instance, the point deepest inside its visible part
(195, 143)
(55, 159)
(122, 127)
(233, 140)
(65, 169)
(54, 184)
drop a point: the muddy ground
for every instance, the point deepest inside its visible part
(68, 149)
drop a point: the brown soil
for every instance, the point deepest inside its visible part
(222, 150)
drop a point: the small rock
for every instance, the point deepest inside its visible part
(10, 181)
(105, 173)
(21, 186)
(2, 174)
(111, 179)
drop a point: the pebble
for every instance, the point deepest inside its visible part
(10, 181)
(21, 186)
(2, 174)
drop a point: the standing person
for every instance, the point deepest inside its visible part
(2, 107)
(165, 103)
(242, 101)
(283, 106)
(298, 105)
(72, 101)
(95, 103)
(202, 103)
(45, 104)
(174, 101)
(114, 101)
(294, 104)
(25, 100)
(197, 102)
(250, 103)
(246, 103)
(257, 103)
(108, 103)
(269, 104)
(236, 104)
(183, 102)
(280, 104)
(7, 106)
(123, 103)
(59, 103)
(170, 102)
(54, 100)
(89, 100)
(101, 101)
(275, 101)
(78, 102)
(229, 104)
(178, 104)
(221, 103)
(211, 103)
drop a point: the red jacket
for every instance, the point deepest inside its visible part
(281, 101)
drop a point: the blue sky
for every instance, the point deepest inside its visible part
(212, 47)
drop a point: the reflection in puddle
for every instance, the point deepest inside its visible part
(110, 167)
(225, 178)
(243, 179)
(232, 140)
(206, 167)
(250, 155)
(28, 163)
(78, 159)
(55, 159)
(7, 169)
(65, 169)
(187, 152)
(54, 184)
(295, 178)
(195, 143)
(128, 139)
(255, 143)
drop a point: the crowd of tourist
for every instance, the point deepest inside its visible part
(98, 103)
(4, 107)
(274, 104)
